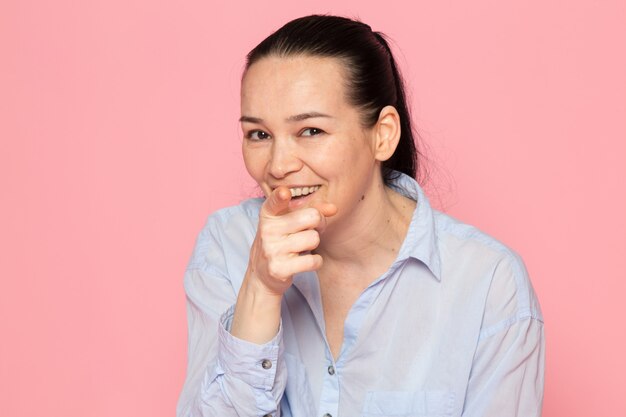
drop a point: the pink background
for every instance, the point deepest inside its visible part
(119, 135)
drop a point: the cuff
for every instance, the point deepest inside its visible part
(254, 364)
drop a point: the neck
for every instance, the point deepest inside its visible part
(368, 241)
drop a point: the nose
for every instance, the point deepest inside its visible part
(284, 159)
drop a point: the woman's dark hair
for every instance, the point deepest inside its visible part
(373, 77)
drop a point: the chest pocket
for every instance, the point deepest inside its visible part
(408, 404)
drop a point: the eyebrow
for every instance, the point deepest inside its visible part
(294, 118)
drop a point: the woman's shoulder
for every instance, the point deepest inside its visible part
(470, 253)
(464, 237)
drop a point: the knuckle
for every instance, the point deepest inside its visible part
(270, 252)
(315, 238)
(262, 228)
(267, 224)
(312, 215)
(316, 262)
(266, 248)
(273, 268)
(276, 270)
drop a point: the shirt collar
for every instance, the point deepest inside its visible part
(421, 239)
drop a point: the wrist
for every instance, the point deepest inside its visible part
(257, 313)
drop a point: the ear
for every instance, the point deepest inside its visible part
(387, 133)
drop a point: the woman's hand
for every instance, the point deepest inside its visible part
(283, 241)
(280, 250)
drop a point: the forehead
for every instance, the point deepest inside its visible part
(291, 83)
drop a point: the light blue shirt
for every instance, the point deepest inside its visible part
(453, 328)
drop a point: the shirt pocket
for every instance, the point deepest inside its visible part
(408, 404)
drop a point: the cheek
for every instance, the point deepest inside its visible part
(328, 165)
(351, 157)
(337, 154)
(255, 162)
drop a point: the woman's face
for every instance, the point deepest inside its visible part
(300, 132)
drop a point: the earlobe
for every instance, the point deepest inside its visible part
(388, 132)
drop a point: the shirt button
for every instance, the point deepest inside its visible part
(327, 415)
(331, 370)
(266, 364)
(267, 415)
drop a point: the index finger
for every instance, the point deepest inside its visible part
(278, 201)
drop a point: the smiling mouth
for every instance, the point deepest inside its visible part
(299, 192)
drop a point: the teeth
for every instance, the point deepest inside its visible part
(296, 192)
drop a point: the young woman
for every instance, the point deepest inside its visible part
(342, 292)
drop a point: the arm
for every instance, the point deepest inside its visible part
(235, 363)
(225, 375)
(508, 368)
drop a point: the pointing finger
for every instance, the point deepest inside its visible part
(278, 202)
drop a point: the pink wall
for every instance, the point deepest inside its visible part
(119, 136)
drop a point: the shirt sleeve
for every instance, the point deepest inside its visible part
(507, 375)
(226, 376)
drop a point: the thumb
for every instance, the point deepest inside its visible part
(278, 202)
(326, 209)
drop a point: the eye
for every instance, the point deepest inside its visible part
(257, 135)
(312, 131)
